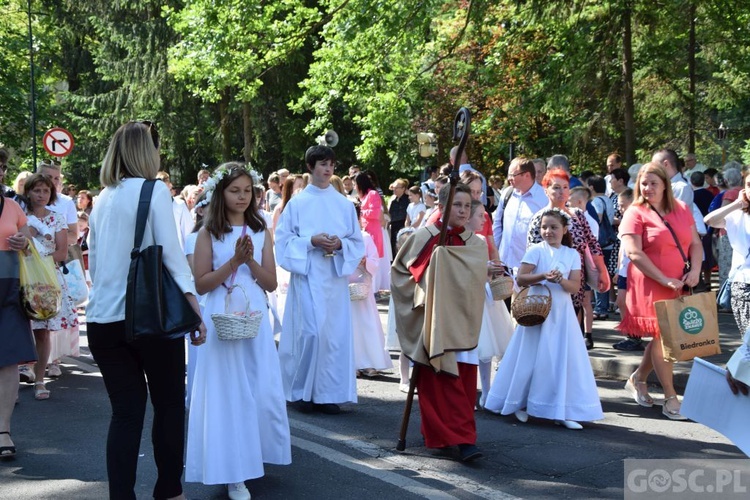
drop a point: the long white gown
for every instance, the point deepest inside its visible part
(546, 368)
(238, 418)
(316, 347)
(369, 339)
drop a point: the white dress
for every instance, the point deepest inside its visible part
(382, 279)
(546, 368)
(238, 418)
(369, 339)
(497, 327)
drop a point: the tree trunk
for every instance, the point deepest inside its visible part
(226, 143)
(691, 71)
(246, 131)
(627, 83)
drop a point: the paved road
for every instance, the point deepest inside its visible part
(352, 455)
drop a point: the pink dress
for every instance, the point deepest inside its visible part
(372, 210)
(659, 246)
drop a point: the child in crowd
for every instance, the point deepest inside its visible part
(632, 343)
(392, 343)
(546, 371)
(370, 354)
(416, 209)
(238, 419)
(430, 201)
(579, 197)
(497, 326)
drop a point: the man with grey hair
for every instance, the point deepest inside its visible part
(561, 161)
(540, 168)
(680, 186)
(64, 204)
(692, 165)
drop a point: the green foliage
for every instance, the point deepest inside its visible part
(545, 76)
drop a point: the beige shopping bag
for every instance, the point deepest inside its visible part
(689, 326)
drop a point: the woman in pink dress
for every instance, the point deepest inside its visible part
(372, 210)
(659, 269)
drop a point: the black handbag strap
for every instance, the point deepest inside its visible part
(2, 204)
(144, 203)
(676, 241)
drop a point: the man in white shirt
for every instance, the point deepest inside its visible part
(64, 204)
(488, 197)
(319, 241)
(692, 165)
(514, 212)
(680, 186)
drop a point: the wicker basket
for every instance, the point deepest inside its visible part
(237, 325)
(358, 291)
(501, 286)
(531, 310)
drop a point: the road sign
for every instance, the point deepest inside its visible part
(58, 142)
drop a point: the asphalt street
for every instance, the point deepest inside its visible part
(352, 455)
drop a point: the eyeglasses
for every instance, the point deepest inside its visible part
(55, 163)
(152, 129)
(4, 168)
(514, 175)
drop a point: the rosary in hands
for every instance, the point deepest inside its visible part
(554, 276)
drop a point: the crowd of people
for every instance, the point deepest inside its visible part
(310, 253)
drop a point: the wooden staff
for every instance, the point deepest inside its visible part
(461, 129)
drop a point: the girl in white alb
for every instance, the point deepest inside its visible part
(546, 371)
(238, 419)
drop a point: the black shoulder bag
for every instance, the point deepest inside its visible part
(155, 306)
(685, 259)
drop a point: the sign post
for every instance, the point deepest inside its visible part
(58, 142)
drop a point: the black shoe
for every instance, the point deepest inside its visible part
(304, 406)
(589, 341)
(601, 316)
(629, 345)
(469, 452)
(327, 408)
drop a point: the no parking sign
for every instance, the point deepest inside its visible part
(58, 142)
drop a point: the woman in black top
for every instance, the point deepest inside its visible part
(397, 209)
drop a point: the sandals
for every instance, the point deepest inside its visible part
(40, 391)
(7, 451)
(632, 387)
(672, 414)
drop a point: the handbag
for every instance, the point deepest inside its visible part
(724, 297)
(75, 280)
(689, 326)
(607, 234)
(155, 306)
(41, 294)
(590, 270)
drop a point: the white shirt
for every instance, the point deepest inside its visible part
(414, 209)
(182, 219)
(681, 189)
(738, 232)
(64, 205)
(111, 237)
(511, 225)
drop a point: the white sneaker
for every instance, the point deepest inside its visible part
(26, 374)
(237, 491)
(53, 369)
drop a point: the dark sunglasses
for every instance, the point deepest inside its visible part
(56, 163)
(154, 132)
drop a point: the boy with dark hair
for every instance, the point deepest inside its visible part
(319, 241)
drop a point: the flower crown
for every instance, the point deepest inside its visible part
(559, 212)
(210, 185)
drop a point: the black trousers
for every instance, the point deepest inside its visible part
(131, 372)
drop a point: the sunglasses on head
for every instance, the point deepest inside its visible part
(55, 163)
(152, 129)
